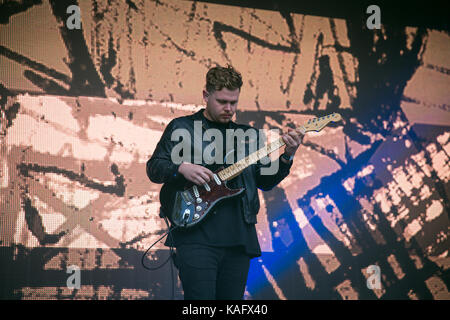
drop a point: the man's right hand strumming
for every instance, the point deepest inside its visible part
(195, 173)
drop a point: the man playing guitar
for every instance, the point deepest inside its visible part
(213, 256)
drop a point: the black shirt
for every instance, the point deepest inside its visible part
(224, 226)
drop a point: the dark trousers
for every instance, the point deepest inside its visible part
(212, 273)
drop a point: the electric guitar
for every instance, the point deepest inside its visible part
(191, 205)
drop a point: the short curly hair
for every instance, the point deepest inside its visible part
(219, 77)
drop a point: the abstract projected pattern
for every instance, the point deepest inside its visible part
(363, 214)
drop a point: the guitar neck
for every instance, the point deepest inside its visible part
(315, 124)
(236, 169)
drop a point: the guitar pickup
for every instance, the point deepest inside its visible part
(195, 189)
(217, 179)
(187, 198)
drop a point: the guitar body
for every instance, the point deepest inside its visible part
(192, 205)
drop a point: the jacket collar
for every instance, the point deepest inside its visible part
(199, 116)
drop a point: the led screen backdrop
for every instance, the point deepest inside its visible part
(83, 109)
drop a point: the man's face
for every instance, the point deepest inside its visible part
(221, 105)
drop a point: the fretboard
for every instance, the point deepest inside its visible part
(236, 169)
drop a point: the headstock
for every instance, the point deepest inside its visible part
(318, 124)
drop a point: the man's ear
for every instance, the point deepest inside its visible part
(205, 95)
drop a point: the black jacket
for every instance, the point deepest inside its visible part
(161, 169)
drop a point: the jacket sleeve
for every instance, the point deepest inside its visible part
(160, 168)
(267, 182)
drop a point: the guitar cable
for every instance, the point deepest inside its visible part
(168, 232)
